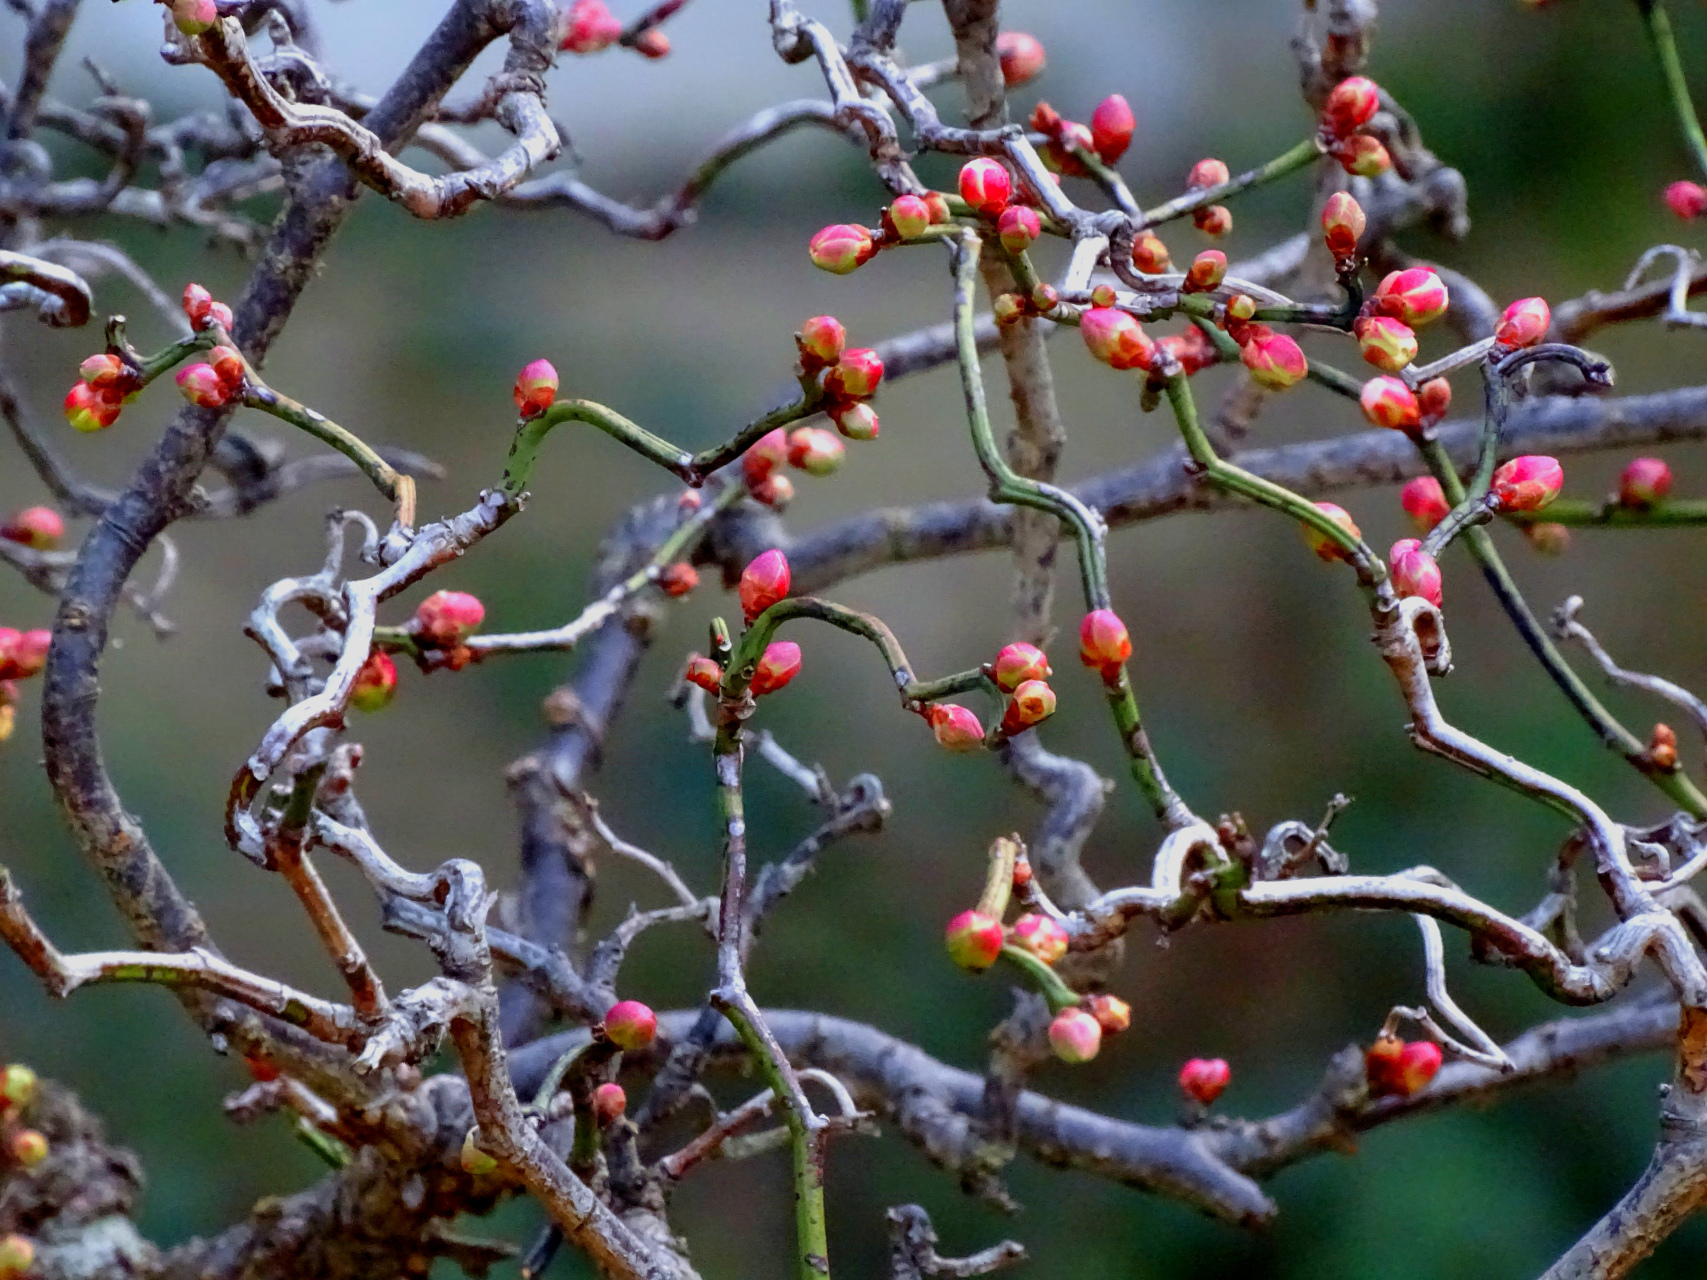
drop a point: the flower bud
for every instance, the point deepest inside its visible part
(17, 1256)
(1060, 153)
(1008, 308)
(1434, 398)
(1044, 297)
(1241, 307)
(1418, 1063)
(688, 501)
(1524, 323)
(821, 341)
(1112, 1013)
(856, 421)
(1343, 222)
(1688, 200)
(652, 43)
(1112, 124)
(1075, 1036)
(197, 301)
(956, 728)
(1527, 483)
(219, 315)
(1019, 662)
(609, 1102)
(909, 215)
(763, 582)
(1104, 296)
(1039, 935)
(1351, 105)
(1275, 361)
(1021, 57)
(229, 366)
(1207, 271)
(779, 664)
(937, 203)
(1149, 254)
(1193, 351)
(192, 17)
(1416, 295)
(1104, 643)
(1207, 173)
(28, 654)
(17, 1086)
(1425, 502)
(764, 455)
(815, 451)
(985, 185)
(474, 1160)
(447, 618)
(1324, 546)
(261, 1069)
(1644, 482)
(589, 27)
(1018, 227)
(1662, 747)
(37, 527)
(702, 671)
(630, 1025)
(856, 375)
(1415, 572)
(676, 580)
(87, 410)
(1214, 221)
(1547, 537)
(775, 490)
(1388, 402)
(1205, 1079)
(974, 940)
(1116, 338)
(200, 385)
(536, 388)
(29, 1148)
(1032, 703)
(1363, 156)
(1022, 871)
(841, 248)
(1386, 343)
(101, 369)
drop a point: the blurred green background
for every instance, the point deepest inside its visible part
(1253, 665)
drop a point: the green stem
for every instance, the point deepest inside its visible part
(1283, 164)
(162, 361)
(1335, 380)
(1049, 984)
(385, 478)
(1671, 67)
(1611, 515)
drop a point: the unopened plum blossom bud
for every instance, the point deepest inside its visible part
(1022, 871)
(1381, 1064)
(955, 727)
(1008, 308)
(192, 17)
(609, 1102)
(1548, 537)
(1688, 200)
(29, 1148)
(985, 185)
(37, 527)
(1104, 296)
(447, 618)
(229, 366)
(1075, 1036)
(375, 684)
(1020, 55)
(200, 385)
(1386, 343)
(17, 1086)
(1240, 307)
(1415, 572)
(219, 315)
(1017, 663)
(1415, 295)
(909, 215)
(676, 580)
(1207, 270)
(652, 43)
(1388, 402)
(775, 490)
(856, 374)
(101, 369)
(1418, 1064)
(1205, 174)
(1524, 323)
(1644, 482)
(1425, 502)
(821, 341)
(1112, 124)
(764, 581)
(1214, 221)
(536, 388)
(937, 203)
(1116, 338)
(1363, 156)
(1343, 221)
(29, 653)
(1434, 398)
(197, 300)
(1204, 1079)
(1044, 297)
(86, 409)
(702, 671)
(856, 421)
(1275, 361)
(1149, 254)
(1112, 1013)
(589, 27)
(815, 451)
(974, 940)
(1351, 105)
(1067, 138)
(1527, 483)
(765, 455)
(473, 1159)
(1018, 227)
(17, 1256)
(1662, 747)
(1325, 547)
(1104, 642)
(1039, 935)
(1032, 703)
(841, 248)
(630, 1025)
(779, 664)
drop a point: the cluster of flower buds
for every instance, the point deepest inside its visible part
(1202, 1080)
(1215, 219)
(849, 377)
(1402, 303)
(535, 389)
(629, 1025)
(1076, 1034)
(1062, 140)
(810, 449)
(1662, 748)
(203, 312)
(1274, 360)
(1688, 200)
(1010, 308)
(38, 528)
(1352, 105)
(443, 621)
(215, 381)
(764, 581)
(19, 1145)
(1643, 483)
(22, 655)
(590, 27)
(1343, 221)
(609, 1103)
(1415, 572)
(1389, 402)
(1191, 347)
(1528, 483)
(1523, 324)
(1021, 57)
(1021, 671)
(192, 17)
(105, 384)
(1397, 1069)
(1424, 502)
(1325, 547)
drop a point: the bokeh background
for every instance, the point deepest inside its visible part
(1253, 665)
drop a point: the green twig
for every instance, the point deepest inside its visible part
(1049, 984)
(1288, 162)
(1614, 515)
(1677, 87)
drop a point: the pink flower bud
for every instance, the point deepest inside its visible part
(17, 1256)
(1415, 572)
(1039, 935)
(1386, 343)
(101, 369)
(815, 451)
(974, 940)
(676, 580)
(29, 1148)
(1388, 402)
(87, 409)
(192, 17)
(1688, 200)
(1434, 398)
(775, 490)
(200, 385)
(1214, 221)
(609, 1102)
(763, 582)
(29, 653)
(375, 683)
(937, 203)
(856, 374)
(856, 421)
(1275, 361)
(1524, 323)
(197, 300)
(447, 618)
(841, 248)
(779, 664)
(1425, 502)
(1351, 105)
(652, 43)
(1149, 254)
(764, 456)
(589, 27)
(985, 185)
(1116, 338)
(1527, 483)
(1343, 222)
(219, 315)
(1104, 643)
(473, 1160)
(536, 388)
(37, 527)
(702, 671)
(1416, 295)
(630, 1025)
(956, 728)
(1075, 1036)
(1207, 270)
(1112, 1013)
(1021, 57)
(821, 340)
(1324, 546)
(1548, 538)
(909, 215)
(1205, 1079)
(1207, 173)
(1363, 156)
(1644, 482)
(1017, 228)
(1112, 124)
(1019, 662)
(1032, 703)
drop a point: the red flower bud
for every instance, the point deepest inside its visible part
(1548, 538)
(1104, 643)
(1416, 296)
(1275, 361)
(1019, 662)
(1527, 483)
(589, 27)
(1075, 1036)
(815, 451)
(1044, 297)
(1434, 398)
(1039, 935)
(192, 17)
(375, 683)
(28, 654)
(1017, 228)
(1343, 222)
(1205, 1079)
(229, 366)
(821, 340)
(1033, 703)
(937, 203)
(856, 375)
(1112, 124)
(1386, 343)
(1324, 546)
(197, 300)
(536, 388)
(1662, 747)
(200, 385)
(1351, 105)
(841, 247)
(1104, 296)
(447, 618)
(1112, 1013)
(609, 1102)
(1193, 351)
(775, 490)
(29, 1148)
(1214, 221)
(17, 1256)
(101, 369)
(1363, 156)
(1425, 502)
(630, 1025)
(1116, 338)
(1644, 482)
(676, 580)
(1388, 402)
(37, 527)
(87, 410)
(1205, 174)
(1060, 152)
(857, 421)
(779, 664)
(909, 215)
(1021, 57)
(219, 315)
(1524, 323)
(1207, 271)
(985, 185)
(652, 43)
(763, 582)
(1149, 254)
(956, 728)
(1687, 200)
(1415, 572)
(702, 671)
(764, 456)
(1399, 1069)
(17, 1085)
(974, 940)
